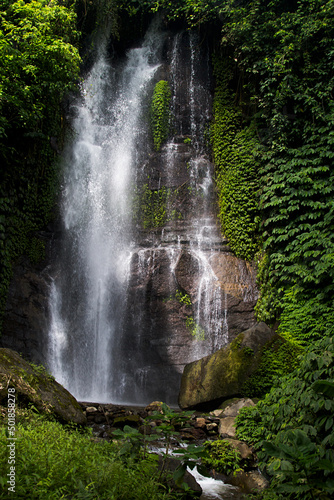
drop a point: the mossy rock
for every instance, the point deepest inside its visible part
(206, 383)
(33, 385)
(131, 420)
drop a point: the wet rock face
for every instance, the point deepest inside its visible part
(26, 317)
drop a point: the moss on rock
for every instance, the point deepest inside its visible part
(207, 382)
(33, 385)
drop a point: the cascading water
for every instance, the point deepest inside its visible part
(131, 305)
(88, 294)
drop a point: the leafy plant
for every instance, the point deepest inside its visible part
(297, 466)
(234, 153)
(284, 59)
(52, 463)
(222, 457)
(278, 358)
(296, 418)
(39, 64)
(189, 457)
(183, 298)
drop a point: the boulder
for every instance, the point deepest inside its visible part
(250, 481)
(206, 383)
(232, 409)
(244, 450)
(171, 464)
(227, 427)
(34, 385)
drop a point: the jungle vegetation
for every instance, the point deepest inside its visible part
(272, 140)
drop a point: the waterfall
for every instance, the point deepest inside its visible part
(131, 306)
(88, 294)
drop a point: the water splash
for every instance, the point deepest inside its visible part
(94, 259)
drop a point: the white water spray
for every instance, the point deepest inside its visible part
(88, 297)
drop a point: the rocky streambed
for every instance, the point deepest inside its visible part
(156, 424)
(189, 428)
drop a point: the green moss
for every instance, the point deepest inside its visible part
(34, 386)
(154, 207)
(160, 113)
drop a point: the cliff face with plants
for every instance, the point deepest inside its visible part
(271, 139)
(39, 65)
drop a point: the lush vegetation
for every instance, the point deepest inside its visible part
(292, 427)
(55, 462)
(39, 64)
(234, 153)
(154, 207)
(272, 141)
(285, 56)
(222, 457)
(278, 358)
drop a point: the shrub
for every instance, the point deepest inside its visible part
(221, 457)
(160, 113)
(53, 463)
(293, 427)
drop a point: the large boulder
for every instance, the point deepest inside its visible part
(206, 383)
(34, 385)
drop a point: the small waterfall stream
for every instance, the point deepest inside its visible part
(131, 306)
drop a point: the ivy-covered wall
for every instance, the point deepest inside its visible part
(234, 148)
(286, 58)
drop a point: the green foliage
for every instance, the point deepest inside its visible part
(195, 329)
(54, 463)
(154, 204)
(39, 64)
(189, 456)
(296, 418)
(234, 147)
(285, 58)
(306, 319)
(183, 298)
(222, 457)
(278, 358)
(160, 113)
(135, 443)
(297, 466)
(195, 12)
